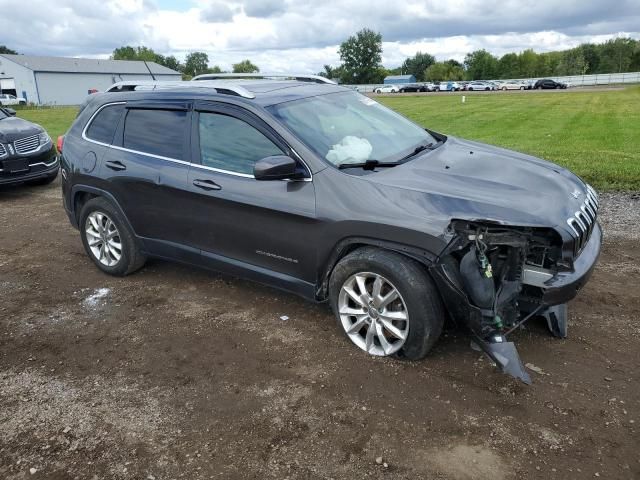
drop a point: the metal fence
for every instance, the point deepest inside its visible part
(575, 80)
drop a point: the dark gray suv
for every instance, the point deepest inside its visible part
(316, 189)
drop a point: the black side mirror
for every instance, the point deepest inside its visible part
(277, 167)
(10, 111)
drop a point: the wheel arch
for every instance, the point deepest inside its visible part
(81, 194)
(348, 245)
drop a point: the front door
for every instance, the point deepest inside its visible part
(266, 226)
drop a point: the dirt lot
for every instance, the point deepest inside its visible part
(180, 373)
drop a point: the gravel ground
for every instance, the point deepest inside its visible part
(176, 372)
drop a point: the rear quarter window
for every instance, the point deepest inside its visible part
(103, 126)
(157, 132)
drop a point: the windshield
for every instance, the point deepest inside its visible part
(348, 127)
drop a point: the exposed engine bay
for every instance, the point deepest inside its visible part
(496, 276)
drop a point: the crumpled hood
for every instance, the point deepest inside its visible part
(475, 181)
(14, 128)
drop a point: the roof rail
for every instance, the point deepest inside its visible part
(268, 76)
(219, 87)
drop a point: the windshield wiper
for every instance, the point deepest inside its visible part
(367, 165)
(420, 148)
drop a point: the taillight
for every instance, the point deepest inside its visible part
(60, 143)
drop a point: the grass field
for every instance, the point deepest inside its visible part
(596, 134)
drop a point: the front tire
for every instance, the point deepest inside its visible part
(108, 239)
(386, 303)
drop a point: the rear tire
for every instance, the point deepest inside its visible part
(108, 239)
(417, 300)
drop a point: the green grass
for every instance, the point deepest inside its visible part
(595, 134)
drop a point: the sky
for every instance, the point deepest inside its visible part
(303, 35)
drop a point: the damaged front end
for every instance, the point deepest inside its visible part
(494, 278)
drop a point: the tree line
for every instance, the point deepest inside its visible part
(195, 63)
(361, 56)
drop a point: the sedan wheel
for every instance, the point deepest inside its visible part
(103, 239)
(373, 313)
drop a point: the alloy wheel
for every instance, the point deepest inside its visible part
(373, 313)
(103, 239)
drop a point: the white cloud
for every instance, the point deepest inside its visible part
(303, 35)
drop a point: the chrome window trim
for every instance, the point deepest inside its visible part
(86, 127)
(175, 160)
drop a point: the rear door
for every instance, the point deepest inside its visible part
(266, 224)
(147, 168)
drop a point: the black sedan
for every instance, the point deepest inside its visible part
(547, 83)
(27, 154)
(414, 87)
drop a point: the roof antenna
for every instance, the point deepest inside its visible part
(150, 72)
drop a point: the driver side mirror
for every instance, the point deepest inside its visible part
(276, 167)
(10, 111)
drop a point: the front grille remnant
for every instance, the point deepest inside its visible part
(27, 144)
(582, 222)
(3, 152)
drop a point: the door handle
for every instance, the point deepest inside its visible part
(115, 165)
(207, 185)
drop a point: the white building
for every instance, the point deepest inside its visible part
(67, 81)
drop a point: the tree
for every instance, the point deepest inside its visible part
(245, 66)
(441, 71)
(215, 69)
(173, 63)
(417, 65)
(6, 50)
(481, 65)
(591, 55)
(331, 72)
(572, 63)
(196, 63)
(137, 53)
(509, 66)
(616, 55)
(528, 61)
(361, 55)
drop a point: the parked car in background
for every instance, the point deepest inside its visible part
(547, 83)
(475, 86)
(387, 89)
(27, 154)
(512, 85)
(321, 191)
(448, 87)
(6, 99)
(415, 87)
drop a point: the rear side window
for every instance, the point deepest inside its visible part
(228, 143)
(104, 124)
(158, 132)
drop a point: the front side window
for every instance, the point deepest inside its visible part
(104, 124)
(227, 143)
(158, 132)
(348, 127)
